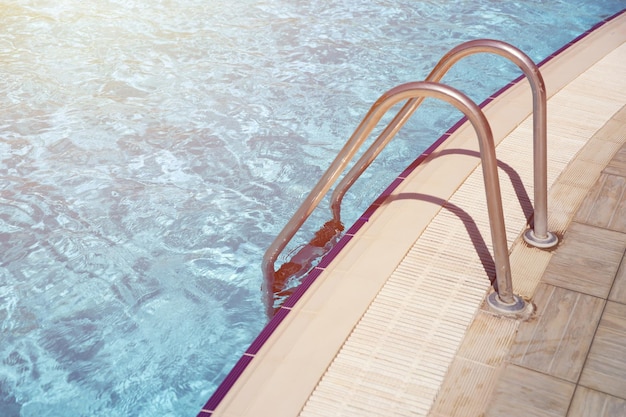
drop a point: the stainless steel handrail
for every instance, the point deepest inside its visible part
(505, 300)
(539, 235)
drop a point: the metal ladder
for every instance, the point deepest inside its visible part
(503, 300)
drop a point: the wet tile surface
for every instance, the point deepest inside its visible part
(557, 340)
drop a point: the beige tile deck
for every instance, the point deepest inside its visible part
(605, 369)
(590, 403)
(578, 337)
(556, 342)
(618, 292)
(375, 336)
(550, 352)
(606, 206)
(617, 164)
(521, 392)
(581, 266)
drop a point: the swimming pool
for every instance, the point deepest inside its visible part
(150, 153)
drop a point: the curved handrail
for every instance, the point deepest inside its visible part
(410, 91)
(539, 236)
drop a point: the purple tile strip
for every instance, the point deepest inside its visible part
(267, 331)
(390, 189)
(356, 227)
(369, 211)
(230, 380)
(453, 129)
(417, 162)
(334, 251)
(486, 101)
(303, 287)
(243, 362)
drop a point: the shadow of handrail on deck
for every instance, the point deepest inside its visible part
(478, 241)
(309, 252)
(470, 225)
(516, 181)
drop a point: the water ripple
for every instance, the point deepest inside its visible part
(150, 152)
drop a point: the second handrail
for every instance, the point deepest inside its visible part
(537, 236)
(410, 91)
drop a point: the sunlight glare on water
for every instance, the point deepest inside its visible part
(151, 151)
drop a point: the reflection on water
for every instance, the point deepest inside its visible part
(150, 152)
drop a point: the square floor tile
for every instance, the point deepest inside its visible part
(524, 393)
(556, 342)
(605, 369)
(587, 260)
(618, 292)
(591, 403)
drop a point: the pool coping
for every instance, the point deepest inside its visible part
(514, 92)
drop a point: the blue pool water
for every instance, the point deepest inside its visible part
(151, 151)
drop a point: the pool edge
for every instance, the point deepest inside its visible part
(224, 389)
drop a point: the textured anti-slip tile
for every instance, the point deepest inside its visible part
(466, 390)
(591, 403)
(599, 151)
(587, 260)
(614, 131)
(473, 374)
(557, 340)
(581, 173)
(527, 267)
(488, 339)
(563, 202)
(521, 392)
(605, 369)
